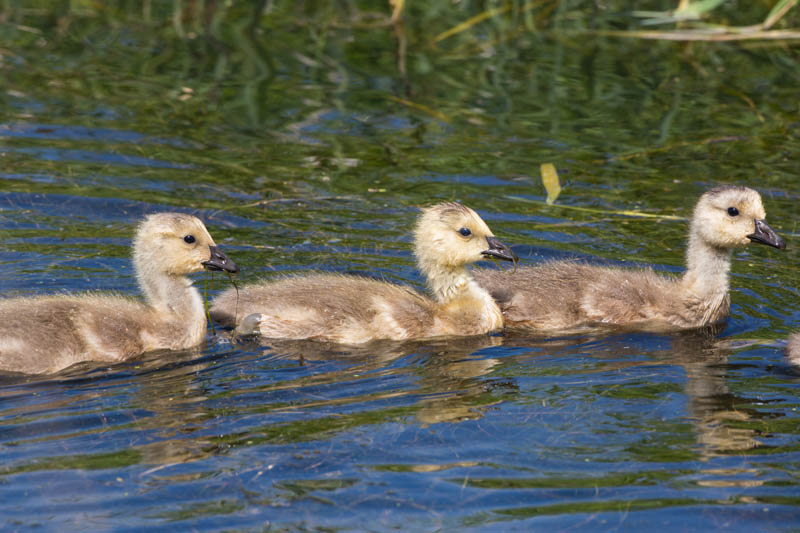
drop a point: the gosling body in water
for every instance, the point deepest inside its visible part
(48, 333)
(354, 310)
(567, 294)
(793, 349)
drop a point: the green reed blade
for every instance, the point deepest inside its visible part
(205, 302)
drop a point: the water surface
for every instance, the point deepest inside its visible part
(303, 143)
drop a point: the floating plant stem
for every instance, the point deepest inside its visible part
(236, 307)
(205, 302)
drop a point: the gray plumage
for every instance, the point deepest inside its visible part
(326, 306)
(793, 349)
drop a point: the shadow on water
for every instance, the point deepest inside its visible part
(305, 134)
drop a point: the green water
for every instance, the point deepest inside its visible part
(305, 134)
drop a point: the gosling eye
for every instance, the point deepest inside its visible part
(189, 239)
(465, 232)
(732, 211)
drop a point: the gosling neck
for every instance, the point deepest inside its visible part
(168, 293)
(708, 267)
(450, 284)
(463, 304)
(447, 282)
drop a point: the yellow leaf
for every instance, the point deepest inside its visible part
(397, 9)
(550, 182)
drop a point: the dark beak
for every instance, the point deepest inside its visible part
(219, 261)
(499, 250)
(766, 235)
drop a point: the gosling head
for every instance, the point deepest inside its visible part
(451, 235)
(177, 244)
(731, 216)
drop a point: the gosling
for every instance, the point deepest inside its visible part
(566, 294)
(355, 310)
(48, 333)
(793, 348)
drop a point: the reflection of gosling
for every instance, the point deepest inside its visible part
(48, 333)
(353, 310)
(564, 294)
